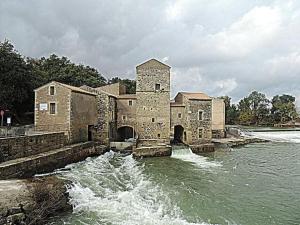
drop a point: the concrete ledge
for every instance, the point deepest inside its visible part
(236, 142)
(202, 148)
(49, 161)
(152, 151)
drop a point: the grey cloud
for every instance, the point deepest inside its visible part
(219, 47)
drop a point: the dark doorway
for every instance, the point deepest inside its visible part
(178, 134)
(90, 132)
(125, 133)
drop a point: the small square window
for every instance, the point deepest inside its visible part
(124, 117)
(153, 120)
(158, 135)
(200, 135)
(52, 90)
(52, 108)
(130, 102)
(179, 115)
(157, 87)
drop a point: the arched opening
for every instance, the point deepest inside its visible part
(125, 133)
(178, 134)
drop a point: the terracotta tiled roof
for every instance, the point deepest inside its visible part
(197, 96)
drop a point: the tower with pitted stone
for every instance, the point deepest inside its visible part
(153, 102)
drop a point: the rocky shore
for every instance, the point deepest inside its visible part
(32, 201)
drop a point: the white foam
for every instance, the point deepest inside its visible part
(118, 193)
(187, 155)
(278, 136)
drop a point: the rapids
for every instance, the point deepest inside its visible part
(257, 184)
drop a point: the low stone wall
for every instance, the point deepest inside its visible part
(18, 147)
(48, 161)
(152, 151)
(32, 201)
(203, 148)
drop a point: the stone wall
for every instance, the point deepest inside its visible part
(127, 111)
(59, 122)
(114, 89)
(50, 160)
(175, 119)
(17, 147)
(153, 106)
(105, 130)
(218, 118)
(83, 113)
(195, 124)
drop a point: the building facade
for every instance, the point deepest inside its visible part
(107, 113)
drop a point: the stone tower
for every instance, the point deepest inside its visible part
(153, 102)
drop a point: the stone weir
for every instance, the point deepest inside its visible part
(23, 157)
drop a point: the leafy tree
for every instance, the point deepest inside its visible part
(254, 109)
(64, 71)
(231, 112)
(129, 84)
(283, 108)
(16, 80)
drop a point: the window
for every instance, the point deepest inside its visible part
(130, 102)
(179, 115)
(52, 108)
(157, 87)
(124, 117)
(200, 115)
(52, 90)
(158, 135)
(200, 134)
(153, 120)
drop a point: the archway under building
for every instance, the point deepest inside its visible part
(125, 133)
(179, 134)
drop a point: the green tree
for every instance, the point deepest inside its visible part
(254, 109)
(231, 112)
(64, 71)
(283, 108)
(16, 80)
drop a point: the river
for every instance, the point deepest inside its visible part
(258, 184)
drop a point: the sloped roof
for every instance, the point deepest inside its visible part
(153, 63)
(127, 96)
(72, 88)
(196, 96)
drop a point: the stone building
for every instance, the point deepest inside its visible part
(191, 118)
(108, 113)
(61, 107)
(153, 102)
(218, 118)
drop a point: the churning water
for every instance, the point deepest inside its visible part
(258, 184)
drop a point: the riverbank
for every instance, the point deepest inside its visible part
(32, 201)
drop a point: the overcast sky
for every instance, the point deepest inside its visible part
(221, 47)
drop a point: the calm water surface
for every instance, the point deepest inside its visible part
(258, 184)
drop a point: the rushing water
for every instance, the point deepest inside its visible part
(258, 184)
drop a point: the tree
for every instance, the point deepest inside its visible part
(64, 71)
(129, 84)
(283, 108)
(254, 109)
(16, 80)
(231, 112)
